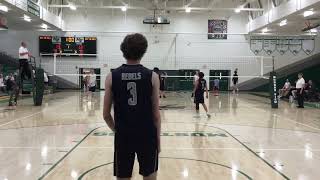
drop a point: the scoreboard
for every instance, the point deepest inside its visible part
(72, 45)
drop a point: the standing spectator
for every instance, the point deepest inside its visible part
(24, 55)
(13, 90)
(45, 80)
(235, 80)
(92, 81)
(300, 90)
(216, 87)
(285, 89)
(2, 86)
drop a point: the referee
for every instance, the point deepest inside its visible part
(23, 61)
(300, 90)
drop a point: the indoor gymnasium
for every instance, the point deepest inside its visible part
(159, 89)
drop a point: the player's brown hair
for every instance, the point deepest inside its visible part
(134, 46)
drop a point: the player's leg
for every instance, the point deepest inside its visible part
(206, 109)
(153, 176)
(148, 158)
(123, 158)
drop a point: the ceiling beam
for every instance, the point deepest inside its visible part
(166, 8)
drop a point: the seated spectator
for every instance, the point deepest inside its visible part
(285, 89)
(2, 85)
(310, 91)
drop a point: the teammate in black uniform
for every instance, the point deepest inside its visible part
(199, 89)
(162, 82)
(134, 90)
(235, 81)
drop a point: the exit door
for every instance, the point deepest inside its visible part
(224, 81)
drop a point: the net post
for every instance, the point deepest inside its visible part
(261, 66)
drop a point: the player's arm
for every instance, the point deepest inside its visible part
(195, 86)
(206, 88)
(108, 103)
(155, 106)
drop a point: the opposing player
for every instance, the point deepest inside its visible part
(134, 90)
(199, 89)
(235, 80)
(195, 79)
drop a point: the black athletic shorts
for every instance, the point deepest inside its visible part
(199, 98)
(127, 147)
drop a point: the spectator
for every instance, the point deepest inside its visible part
(216, 87)
(2, 85)
(310, 91)
(92, 81)
(300, 90)
(13, 90)
(285, 89)
(45, 80)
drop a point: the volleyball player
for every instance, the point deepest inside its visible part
(235, 80)
(134, 90)
(199, 89)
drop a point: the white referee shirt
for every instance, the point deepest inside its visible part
(23, 50)
(300, 83)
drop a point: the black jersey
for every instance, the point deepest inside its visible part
(235, 78)
(132, 91)
(201, 86)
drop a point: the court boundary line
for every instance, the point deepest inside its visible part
(212, 126)
(176, 158)
(259, 157)
(63, 157)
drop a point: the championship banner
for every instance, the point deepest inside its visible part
(270, 45)
(283, 46)
(295, 46)
(217, 26)
(308, 46)
(256, 45)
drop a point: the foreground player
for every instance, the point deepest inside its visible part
(199, 89)
(134, 90)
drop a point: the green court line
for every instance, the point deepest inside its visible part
(208, 162)
(250, 150)
(60, 160)
(265, 161)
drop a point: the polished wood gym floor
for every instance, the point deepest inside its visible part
(67, 139)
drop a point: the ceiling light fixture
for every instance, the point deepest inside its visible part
(72, 7)
(3, 8)
(283, 22)
(264, 30)
(188, 10)
(26, 18)
(44, 26)
(314, 30)
(308, 13)
(124, 8)
(238, 10)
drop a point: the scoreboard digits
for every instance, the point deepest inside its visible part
(74, 45)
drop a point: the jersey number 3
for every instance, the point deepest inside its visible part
(132, 88)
